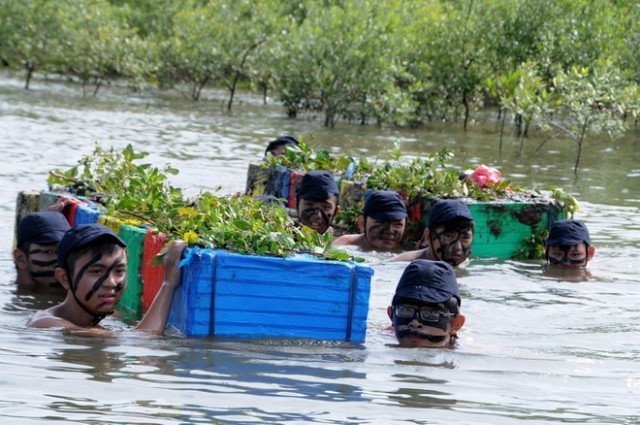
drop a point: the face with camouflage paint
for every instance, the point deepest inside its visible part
(384, 235)
(452, 243)
(39, 261)
(317, 214)
(427, 325)
(99, 280)
(570, 257)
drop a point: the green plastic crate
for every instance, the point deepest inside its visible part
(130, 305)
(509, 229)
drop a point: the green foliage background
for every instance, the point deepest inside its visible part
(566, 68)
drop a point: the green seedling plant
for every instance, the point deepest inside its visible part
(306, 157)
(431, 176)
(568, 203)
(142, 193)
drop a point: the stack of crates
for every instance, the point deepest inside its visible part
(232, 295)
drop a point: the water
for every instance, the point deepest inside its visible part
(534, 348)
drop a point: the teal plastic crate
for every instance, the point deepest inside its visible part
(130, 305)
(242, 296)
(504, 230)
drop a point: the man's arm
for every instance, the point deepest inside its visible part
(353, 239)
(155, 319)
(410, 255)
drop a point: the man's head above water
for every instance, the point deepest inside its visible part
(383, 220)
(278, 146)
(449, 232)
(92, 265)
(38, 235)
(425, 309)
(382, 223)
(569, 245)
(317, 200)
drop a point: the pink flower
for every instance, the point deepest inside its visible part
(484, 175)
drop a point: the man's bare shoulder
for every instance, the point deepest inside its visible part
(49, 319)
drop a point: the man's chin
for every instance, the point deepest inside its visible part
(387, 244)
(455, 260)
(422, 340)
(318, 228)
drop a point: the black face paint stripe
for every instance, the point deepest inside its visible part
(104, 277)
(84, 269)
(43, 263)
(42, 274)
(436, 252)
(443, 246)
(309, 212)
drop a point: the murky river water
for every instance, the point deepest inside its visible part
(533, 349)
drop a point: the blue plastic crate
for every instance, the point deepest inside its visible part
(86, 215)
(233, 295)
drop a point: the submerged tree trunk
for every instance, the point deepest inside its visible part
(583, 132)
(30, 70)
(504, 118)
(197, 89)
(232, 90)
(98, 83)
(236, 78)
(363, 116)
(465, 103)
(330, 114)
(518, 123)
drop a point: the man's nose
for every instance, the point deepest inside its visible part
(312, 212)
(414, 323)
(111, 281)
(386, 228)
(565, 260)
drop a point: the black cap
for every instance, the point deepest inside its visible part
(82, 235)
(427, 281)
(385, 205)
(447, 210)
(282, 140)
(317, 186)
(42, 228)
(568, 232)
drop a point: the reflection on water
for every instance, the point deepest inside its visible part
(536, 345)
(28, 301)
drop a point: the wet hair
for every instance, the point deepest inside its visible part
(24, 247)
(451, 306)
(95, 249)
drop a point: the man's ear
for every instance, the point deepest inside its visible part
(62, 278)
(424, 240)
(457, 322)
(20, 258)
(390, 312)
(591, 251)
(360, 222)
